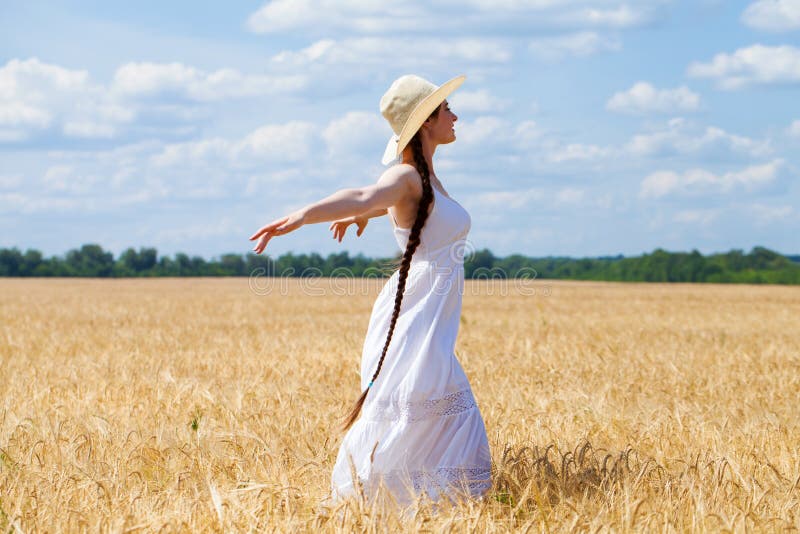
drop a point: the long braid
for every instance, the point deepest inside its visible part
(405, 265)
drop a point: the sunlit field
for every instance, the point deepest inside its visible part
(212, 405)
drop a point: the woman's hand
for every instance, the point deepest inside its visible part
(340, 227)
(281, 226)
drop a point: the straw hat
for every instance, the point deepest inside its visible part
(408, 102)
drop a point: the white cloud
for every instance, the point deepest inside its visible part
(88, 129)
(484, 16)
(182, 233)
(18, 76)
(192, 152)
(57, 177)
(32, 93)
(37, 97)
(576, 152)
(16, 113)
(62, 178)
(702, 217)
(398, 52)
(757, 64)
(522, 147)
(354, 132)
(65, 179)
(273, 142)
(489, 142)
(294, 141)
(90, 181)
(566, 14)
(10, 181)
(490, 130)
(481, 130)
(794, 129)
(350, 15)
(288, 15)
(262, 181)
(773, 15)
(765, 214)
(701, 181)
(22, 203)
(581, 44)
(623, 16)
(480, 101)
(8, 135)
(526, 134)
(541, 198)
(570, 195)
(644, 98)
(659, 184)
(509, 199)
(143, 79)
(84, 204)
(284, 15)
(683, 137)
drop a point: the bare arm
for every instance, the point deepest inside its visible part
(370, 201)
(375, 213)
(392, 187)
(341, 204)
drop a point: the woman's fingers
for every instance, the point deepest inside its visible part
(262, 244)
(361, 225)
(261, 231)
(278, 227)
(268, 228)
(257, 248)
(339, 229)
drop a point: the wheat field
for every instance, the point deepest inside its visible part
(212, 405)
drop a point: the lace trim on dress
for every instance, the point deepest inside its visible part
(411, 412)
(472, 479)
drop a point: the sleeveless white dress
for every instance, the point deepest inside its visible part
(420, 430)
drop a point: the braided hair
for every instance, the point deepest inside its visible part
(405, 264)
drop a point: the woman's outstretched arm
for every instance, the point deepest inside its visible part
(380, 212)
(348, 203)
(392, 187)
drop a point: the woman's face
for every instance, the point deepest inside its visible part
(440, 129)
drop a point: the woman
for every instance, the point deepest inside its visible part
(421, 430)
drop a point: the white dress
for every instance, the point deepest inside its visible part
(420, 430)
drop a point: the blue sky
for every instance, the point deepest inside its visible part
(586, 127)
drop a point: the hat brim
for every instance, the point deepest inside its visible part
(423, 110)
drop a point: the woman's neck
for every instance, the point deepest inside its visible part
(427, 151)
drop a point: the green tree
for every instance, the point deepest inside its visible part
(232, 265)
(10, 262)
(90, 260)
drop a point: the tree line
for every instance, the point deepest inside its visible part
(759, 266)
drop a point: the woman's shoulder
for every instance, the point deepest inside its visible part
(406, 173)
(402, 169)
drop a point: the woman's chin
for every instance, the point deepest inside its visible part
(447, 140)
